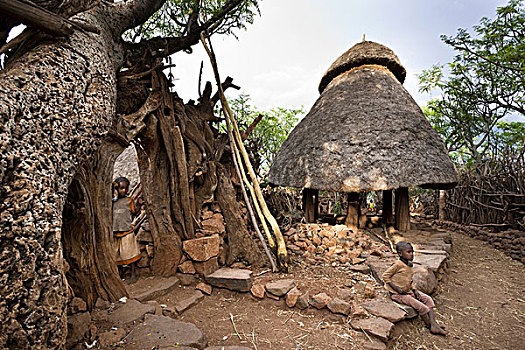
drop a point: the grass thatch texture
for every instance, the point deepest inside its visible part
(366, 52)
(364, 133)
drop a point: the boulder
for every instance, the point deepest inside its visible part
(424, 279)
(280, 288)
(164, 332)
(338, 306)
(434, 262)
(385, 309)
(378, 326)
(234, 279)
(320, 300)
(202, 249)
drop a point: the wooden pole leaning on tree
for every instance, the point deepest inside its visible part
(255, 190)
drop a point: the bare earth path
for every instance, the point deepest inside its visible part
(482, 303)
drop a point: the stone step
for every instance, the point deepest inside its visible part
(164, 332)
(151, 288)
(233, 279)
(129, 312)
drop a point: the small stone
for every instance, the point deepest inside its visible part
(214, 224)
(271, 296)
(185, 304)
(101, 304)
(186, 279)
(258, 291)
(77, 305)
(320, 300)
(292, 296)
(378, 326)
(303, 302)
(205, 288)
(229, 347)
(202, 249)
(338, 306)
(111, 337)
(384, 309)
(208, 267)
(344, 294)
(357, 311)
(362, 268)
(280, 288)
(150, 250)
(234, 279)
(356, 261)
(374, 345)
(370, 291)
(187, 267)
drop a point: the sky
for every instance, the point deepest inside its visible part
(280, 59)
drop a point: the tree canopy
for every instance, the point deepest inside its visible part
(484, 84)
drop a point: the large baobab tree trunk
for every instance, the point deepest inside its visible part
(57, 102)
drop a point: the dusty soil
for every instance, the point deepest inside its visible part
(270, 324)
(482, 303)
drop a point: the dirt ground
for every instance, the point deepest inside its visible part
(270, 324)
(482, 303)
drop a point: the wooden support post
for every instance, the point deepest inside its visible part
(402, 209)
(441, 205)
(310, 204)
(388, 214)
(352, 216)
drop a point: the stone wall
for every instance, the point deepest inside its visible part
(511, 242)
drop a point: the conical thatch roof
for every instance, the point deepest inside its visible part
(366, 52)
(364, 133)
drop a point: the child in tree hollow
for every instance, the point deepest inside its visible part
(398, 281)
(125, 244)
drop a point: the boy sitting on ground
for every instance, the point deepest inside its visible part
(398, 281)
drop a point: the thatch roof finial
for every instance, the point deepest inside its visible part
(364, 37)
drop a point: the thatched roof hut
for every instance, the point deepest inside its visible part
(364, 133)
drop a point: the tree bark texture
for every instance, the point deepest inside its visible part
(402, 209)
(54, 113)
(86, 229)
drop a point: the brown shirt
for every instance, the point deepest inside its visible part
(399, 274)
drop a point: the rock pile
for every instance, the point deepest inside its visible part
(324, 243)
